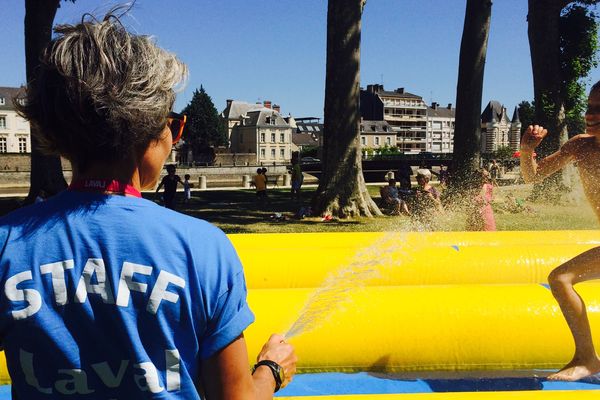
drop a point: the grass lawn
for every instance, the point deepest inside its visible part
(236, 211)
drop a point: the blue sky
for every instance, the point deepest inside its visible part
(255, 50)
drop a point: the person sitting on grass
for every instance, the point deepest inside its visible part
(426, 204)
(108, 295)
(391, 199)
(584, 150)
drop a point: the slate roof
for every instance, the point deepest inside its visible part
(259, 118)
(8, 93)
(237, 108)
(304, 139)
(441, 112)
(309, 127)
(399, 93)
(494, 112)
(375, 128)
(515, 117)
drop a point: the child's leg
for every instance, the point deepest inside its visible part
(584, 267)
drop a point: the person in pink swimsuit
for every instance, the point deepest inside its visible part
(481, 216)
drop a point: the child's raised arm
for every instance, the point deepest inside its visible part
(533, 171)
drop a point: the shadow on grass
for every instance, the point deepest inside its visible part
(234, 210)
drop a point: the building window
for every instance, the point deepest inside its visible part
(262, 137)
(272, 138)
(2, 101)
(273, 154)
(376, 140)
(262, 153)
(3, 145)
(281, 137)
(22, 145)
(282, 154)
(2, 122)
(363, 140)
(388, 141)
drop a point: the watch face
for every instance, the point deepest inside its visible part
(281, 373)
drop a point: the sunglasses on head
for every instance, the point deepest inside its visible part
(176, 123)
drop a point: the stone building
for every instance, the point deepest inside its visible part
(377, 134)
(15, 134)
(264, 132)
(498, 130)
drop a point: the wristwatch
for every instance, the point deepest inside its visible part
(276, 370)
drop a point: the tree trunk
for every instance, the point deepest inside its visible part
(467, 132)
(544, 44)
(46, 171)
(342, 191)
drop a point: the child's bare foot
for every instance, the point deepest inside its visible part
(576, 370)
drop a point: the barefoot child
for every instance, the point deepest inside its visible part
(583, 149)
(187, 188)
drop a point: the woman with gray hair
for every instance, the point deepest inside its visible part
(106, 294)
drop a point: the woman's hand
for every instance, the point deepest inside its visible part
(532, 137)
(276, 349)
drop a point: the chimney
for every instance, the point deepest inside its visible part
(229, 101)
(277, 108)
(267, 103)
(434, 105)
(400, 90)
(449, 106)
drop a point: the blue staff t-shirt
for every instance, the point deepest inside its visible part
(113, 297)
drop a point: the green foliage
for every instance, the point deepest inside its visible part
(579, 54)
(310, 151)
(503, 153)
(204, 128)
(388, 150)
(526, 114)
(385, 150)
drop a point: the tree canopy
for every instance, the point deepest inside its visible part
(578, 47)
(204, 129)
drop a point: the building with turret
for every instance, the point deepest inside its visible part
(498, 130)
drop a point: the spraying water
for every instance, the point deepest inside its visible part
(335, 291)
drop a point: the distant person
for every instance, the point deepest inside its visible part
(187, 188)
(480, 215)
(494, 170)
(404, 174)
(584, 150)
(426, 205)
(260, 183)
(391, 199)
(264, 172)
(444, 175)
(297, 179)
(170, 182)
(106, 295)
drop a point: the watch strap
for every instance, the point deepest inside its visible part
(276, 370)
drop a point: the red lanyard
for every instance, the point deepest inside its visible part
(105, 186)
